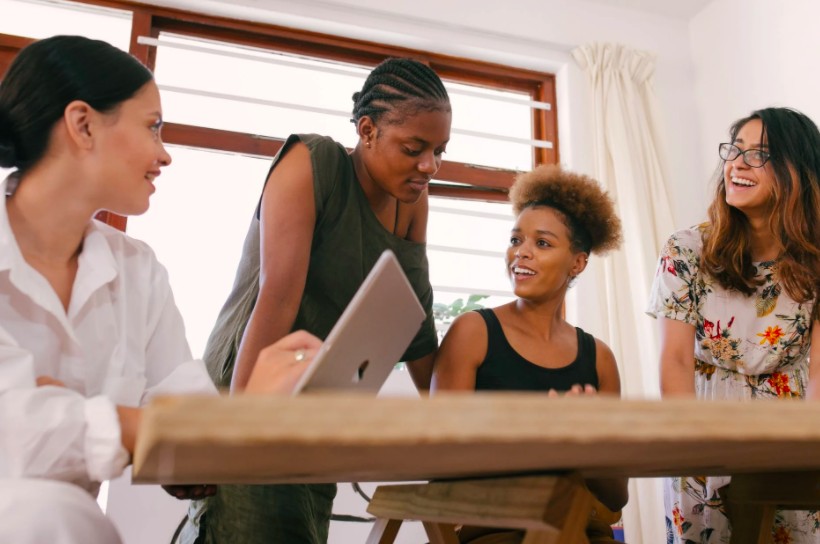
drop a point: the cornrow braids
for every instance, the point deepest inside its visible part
(396, 82)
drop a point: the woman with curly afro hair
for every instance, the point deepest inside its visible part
(527, 345)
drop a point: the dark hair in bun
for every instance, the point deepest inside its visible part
(7, 146)
(48, 75)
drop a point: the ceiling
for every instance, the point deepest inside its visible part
(680, 9)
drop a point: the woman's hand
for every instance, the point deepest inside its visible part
(190, 491)
(48, 380)
(576, 390)
(280, 365)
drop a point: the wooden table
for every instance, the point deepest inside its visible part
(332, 438)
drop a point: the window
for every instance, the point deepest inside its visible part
(253, 91)
(202, 249)
(466, 246)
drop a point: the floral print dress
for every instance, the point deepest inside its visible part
(746, 347)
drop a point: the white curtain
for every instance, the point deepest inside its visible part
(629, 163)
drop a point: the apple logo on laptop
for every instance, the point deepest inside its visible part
(357, 377)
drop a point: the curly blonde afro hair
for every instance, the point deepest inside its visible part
(587, 210)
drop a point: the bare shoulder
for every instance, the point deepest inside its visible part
(465, 327)
(289, 187)
(466, 340)
(468, 323)
(295, 159)
(603, 351)
(461, 353)
(609, 380)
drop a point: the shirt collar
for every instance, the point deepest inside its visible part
(97, 264)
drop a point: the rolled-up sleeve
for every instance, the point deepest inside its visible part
(53, 432)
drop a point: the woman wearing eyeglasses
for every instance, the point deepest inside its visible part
(735, 298)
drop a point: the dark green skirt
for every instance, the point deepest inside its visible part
(261, 514)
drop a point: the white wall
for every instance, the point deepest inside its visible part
(750, 54)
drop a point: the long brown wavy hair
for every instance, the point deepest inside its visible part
(794, 148)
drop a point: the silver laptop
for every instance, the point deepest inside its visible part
(370, 336)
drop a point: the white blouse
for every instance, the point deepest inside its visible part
(121, 342)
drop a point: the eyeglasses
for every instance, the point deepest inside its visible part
(752, 157)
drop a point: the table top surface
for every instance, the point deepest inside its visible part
(339, 438)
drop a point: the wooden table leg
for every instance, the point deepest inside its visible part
(440, 533)
(752, 500)
(787, 490)
(752, 523)
(384, 531)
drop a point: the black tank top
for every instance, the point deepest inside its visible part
(503, 369)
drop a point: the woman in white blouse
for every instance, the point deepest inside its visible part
(89, 330)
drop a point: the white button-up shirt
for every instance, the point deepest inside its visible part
(121, 342)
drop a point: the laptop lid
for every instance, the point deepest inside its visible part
(370, 336)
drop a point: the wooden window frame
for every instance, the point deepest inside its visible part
(469, 181)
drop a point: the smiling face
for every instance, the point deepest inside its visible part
(748, 189)
(540, 259)
(130, 153)
(402, 157)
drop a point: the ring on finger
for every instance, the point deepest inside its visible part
(299, 355)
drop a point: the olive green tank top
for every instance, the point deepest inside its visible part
(347, 240)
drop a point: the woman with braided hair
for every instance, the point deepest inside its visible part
(324, 218)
